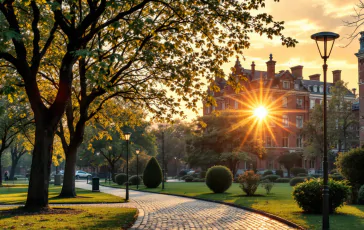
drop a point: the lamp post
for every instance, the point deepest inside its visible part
(163, 171)
(175, 159)
(127, 138)
(137, 153)
(325, 37)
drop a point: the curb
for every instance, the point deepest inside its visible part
(274, 217)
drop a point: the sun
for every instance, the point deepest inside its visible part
(260, 112)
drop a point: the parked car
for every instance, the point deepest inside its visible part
(82, 174)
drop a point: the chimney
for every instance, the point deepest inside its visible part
(271, 67)
(315, 77)
(354, 91)
(297, 71)
(336, 74)
(253, 70)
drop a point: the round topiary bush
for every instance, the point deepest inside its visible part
(350, 165)
(279, 172)
(282, 180)
(361, 195)
(134, 180)
(120, 178)
(268, 172)
(152, 176)
(308, 195)
(302, 174)
(271, 178)
(295, 171)
(296, 180)
(219, 178)
(336, 176)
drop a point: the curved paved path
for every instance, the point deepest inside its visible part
(159, 211)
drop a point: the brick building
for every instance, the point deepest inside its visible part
(292, 97)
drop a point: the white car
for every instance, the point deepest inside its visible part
(80, 174)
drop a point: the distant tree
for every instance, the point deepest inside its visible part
(143, 159)
(17, 150)
(232, 159)
(289, 160)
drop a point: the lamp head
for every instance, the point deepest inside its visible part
(325, 37)
(137, 151)
(127, 135)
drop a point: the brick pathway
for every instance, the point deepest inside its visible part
(158, 211)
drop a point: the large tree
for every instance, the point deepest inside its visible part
(174, 44)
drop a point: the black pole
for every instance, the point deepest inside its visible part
(163, 171)
(137, 171)
(325, 208)
(127, 171)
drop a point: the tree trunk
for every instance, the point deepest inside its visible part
(12, 169)
(112, 171)
(68, 187)
(40, 169)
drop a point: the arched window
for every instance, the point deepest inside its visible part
(315, 88)
(321, 88)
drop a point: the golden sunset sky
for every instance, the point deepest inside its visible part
(302, 19)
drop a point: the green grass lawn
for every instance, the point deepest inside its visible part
(279, 202)
(17, 194)
(69, 218)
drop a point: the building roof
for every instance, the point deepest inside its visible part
(309, 84)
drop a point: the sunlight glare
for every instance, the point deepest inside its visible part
(261, 112)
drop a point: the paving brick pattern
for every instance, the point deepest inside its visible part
(158, 211)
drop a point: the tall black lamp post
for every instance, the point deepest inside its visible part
(137, 153)
(325, 37)
(163, 170)
(127, 138)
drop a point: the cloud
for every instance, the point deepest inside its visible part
(336, 9)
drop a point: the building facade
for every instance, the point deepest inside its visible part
(289, 95)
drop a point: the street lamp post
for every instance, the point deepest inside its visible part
(127, 138)
(163, 171)
(175, 158)
(325, 37)
(137, 153)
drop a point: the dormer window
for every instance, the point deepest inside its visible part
(286, 85)
(309, 88)
(296, 86)
(315, 88)
(321, 88)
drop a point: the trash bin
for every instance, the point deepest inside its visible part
(95, 184)
(57, 179)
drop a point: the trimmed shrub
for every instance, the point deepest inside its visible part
(296, 180)
(271, 178)
(315, 175)
(184, 177)
(152, 176)
(219, 178)
(279, 172)
(334, 171)
(267, 185)
(295, 171)
(350, 165)
(361, 195)
(135, 180)
(120, 178)
(195, 175)
(336, 176)
(268, 172)
(302, 174)
(199, 180)
(308, 195)
(189, 179)
(203, 174)
(249, 182)
(282, 180)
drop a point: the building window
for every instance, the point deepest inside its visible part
(213, 108)
(309, 88)
(299, 143)
(296, 86)
(285, 121)
(299, 103)
(299, 121)
(284, 102)
(268, 141)
(236, 104)
(208, 110)
(286, 85)
(312, 103)
(312, 164)
(223, 106)
(285, 141)
(315, 88)
(321, 88)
